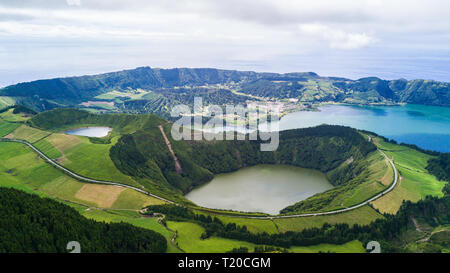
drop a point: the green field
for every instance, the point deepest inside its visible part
(80, 155)
(414, 181)
(48, 149)
(21, 168)
(7, 127)
(188, 238)
(27, 133)
(131, 199)
(11, 117)
(350, 247)
(6, 101)
(362, 216)
(134, 219)
(253, 225)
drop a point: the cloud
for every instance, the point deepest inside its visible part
(14, 17)
(73, 2)
(337, 38)
(274, 35)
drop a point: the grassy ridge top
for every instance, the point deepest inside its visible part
(160, 88)
(59, 119)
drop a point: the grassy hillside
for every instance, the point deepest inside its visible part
(414, 182)
(21, 168)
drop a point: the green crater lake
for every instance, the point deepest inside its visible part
(261, 188)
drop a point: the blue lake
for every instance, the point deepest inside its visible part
(426, 126)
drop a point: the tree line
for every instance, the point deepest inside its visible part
(31, 224)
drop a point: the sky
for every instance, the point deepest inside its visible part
(389, 39)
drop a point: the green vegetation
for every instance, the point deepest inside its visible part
(6, 102)
(48, 149)
(80, 158)
(440, 167)
(131, 199)
(189, 239)
(27, 133)
(361, 216)
(6, 128)
(21, 168)
(147, 90)
(144, 156)
(355, 182)
(253, 225)
(350, 247)
(62, 119)
(386, 230)
(136, 153)
(132, 217)
(29, 223)
(414, 182)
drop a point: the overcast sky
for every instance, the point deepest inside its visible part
(351, 38)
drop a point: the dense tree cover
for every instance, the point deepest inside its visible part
(269, 88)
(18, 109)
(29, 223)
(99, 140)
(440, 166)
(435, 211)
(258, 249)
(63, 118)
(159, 101)
(322, 148)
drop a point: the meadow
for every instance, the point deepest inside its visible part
(414, 181)
(362, 216)
(188, 238)
(21, 168)
(132, 217)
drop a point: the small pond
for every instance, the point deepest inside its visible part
(89, 131)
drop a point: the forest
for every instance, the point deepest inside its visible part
(31, 224)
(440, 166)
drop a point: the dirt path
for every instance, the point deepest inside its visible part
(161, 217)
(416, 224)
(178, 168)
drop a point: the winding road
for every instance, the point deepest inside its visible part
(79, 177)
(89, 180)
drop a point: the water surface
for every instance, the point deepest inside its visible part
(426, 126)
(89, 131)
(262, 188)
